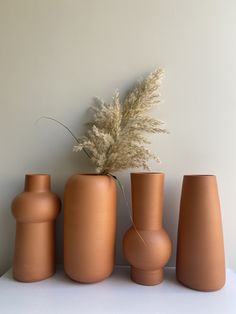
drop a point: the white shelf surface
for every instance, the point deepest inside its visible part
(115, 295)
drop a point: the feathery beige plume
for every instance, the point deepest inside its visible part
(116, 138)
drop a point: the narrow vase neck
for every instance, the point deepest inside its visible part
(37, 182)
(147, 200)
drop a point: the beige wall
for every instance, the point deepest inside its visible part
(55, 55)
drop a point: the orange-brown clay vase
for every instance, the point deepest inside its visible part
(89, 227)
(146, 244)
(35, 211)
(200, 263)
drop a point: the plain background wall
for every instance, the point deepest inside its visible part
(55, 55)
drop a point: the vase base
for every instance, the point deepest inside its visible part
(147, 277)
(202, 287)
(28, 279)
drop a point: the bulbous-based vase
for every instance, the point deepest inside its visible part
(200, 263)
(89, 227)
(146, 244)
(35, 211)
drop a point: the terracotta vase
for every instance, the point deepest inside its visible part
(147, 246)
(35, 211)
(200, 261)
(89, 227)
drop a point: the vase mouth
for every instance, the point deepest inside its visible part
(147, 173)
(37, 182)
(199, 175)
(92, 174)
(37, 175)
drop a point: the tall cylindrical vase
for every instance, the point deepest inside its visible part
(146, 244)
(200, 261)
(89, 227)
(35, 211)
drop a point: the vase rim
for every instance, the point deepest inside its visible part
(37, 182)
(199, 175)
(147, 173)
(92, 174)
(37, 174)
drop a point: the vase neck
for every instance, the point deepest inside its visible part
(147, 200)
(37, 182)
(147, 218)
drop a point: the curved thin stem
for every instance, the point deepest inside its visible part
(66, 127)
(127, 205)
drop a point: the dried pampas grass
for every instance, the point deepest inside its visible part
(115, 139)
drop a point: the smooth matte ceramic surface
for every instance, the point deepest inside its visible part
(200, 261)
(89, 227)
(146, 244)
(35, 211)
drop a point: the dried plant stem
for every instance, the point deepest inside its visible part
(68, 129)
(127, 205)
(108, 174)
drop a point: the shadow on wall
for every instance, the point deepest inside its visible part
(9, 188)
(123, 215)
(61, 167)
(171, 212)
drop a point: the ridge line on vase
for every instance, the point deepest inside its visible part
(35, 211)
(147, 246)
(89, 227)
(200, 261)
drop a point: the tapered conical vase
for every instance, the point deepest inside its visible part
(146, 244)
(89, 227)
(200, 261)
(35, 211)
